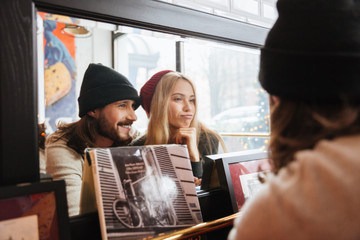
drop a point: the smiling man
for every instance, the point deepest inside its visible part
(107, 103)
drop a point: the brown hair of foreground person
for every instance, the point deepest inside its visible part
(300, 125)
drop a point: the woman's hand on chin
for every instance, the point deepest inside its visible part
(197, 181)
(188, 136)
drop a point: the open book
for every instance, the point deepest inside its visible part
(140, 191)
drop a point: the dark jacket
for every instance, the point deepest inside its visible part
(207, 146)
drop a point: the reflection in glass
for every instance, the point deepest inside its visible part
(63, 59)
(231, 98)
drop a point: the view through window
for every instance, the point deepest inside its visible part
(230, 99)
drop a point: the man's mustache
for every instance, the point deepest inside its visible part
(125, 123)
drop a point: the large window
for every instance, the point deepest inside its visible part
(229, 96)
(21, 70)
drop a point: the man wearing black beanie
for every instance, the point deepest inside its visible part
(107, 103)
(310, 66)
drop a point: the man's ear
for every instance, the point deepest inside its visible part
(93, 113)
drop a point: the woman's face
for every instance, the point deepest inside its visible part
(182, 105)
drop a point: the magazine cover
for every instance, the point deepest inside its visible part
(140, 192)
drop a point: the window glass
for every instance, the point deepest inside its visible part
(66, 46)
(230, 97)
(139, 54)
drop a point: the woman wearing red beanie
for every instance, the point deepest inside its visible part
(169, 100)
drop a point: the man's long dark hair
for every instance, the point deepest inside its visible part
(79, 135)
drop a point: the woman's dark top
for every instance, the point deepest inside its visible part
(207, 146)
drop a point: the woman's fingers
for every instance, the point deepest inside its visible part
(187, 133)
(197, 181)
(184, 135)
(188, 136)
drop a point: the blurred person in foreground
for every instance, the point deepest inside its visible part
(310, 66)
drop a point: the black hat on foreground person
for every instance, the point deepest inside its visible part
(306, 58)
(101, 86)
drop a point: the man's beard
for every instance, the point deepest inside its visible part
(105, 129)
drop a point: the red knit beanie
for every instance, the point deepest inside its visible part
(147, 91)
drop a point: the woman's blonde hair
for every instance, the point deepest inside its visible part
(299, 125)
(158, 127)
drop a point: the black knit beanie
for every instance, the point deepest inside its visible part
(101, 86)
(312, 53)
